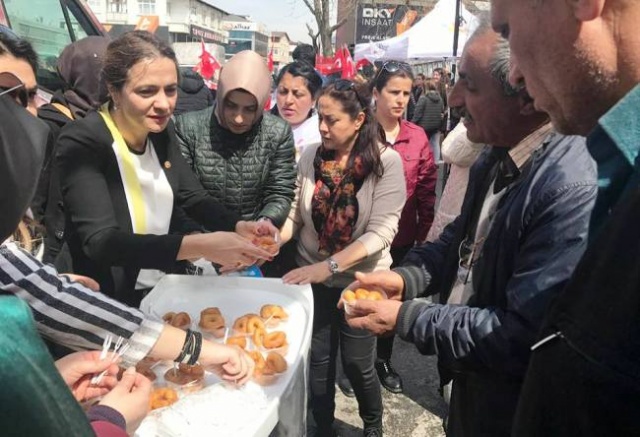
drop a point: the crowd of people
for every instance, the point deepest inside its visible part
(530, 257)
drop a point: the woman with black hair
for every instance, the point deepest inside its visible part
(349, 195)
(298, 86)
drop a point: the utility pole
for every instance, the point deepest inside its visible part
(456, 34)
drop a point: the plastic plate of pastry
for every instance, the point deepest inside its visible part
(349, 297)
(271, 321)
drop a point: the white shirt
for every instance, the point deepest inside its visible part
(158, 204)
(306, 134)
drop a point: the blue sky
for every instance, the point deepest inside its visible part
(278, 15)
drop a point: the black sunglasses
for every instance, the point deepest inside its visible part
(392, 67)
(14, 87)
(343, 85)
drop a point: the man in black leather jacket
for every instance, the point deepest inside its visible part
(521, 231)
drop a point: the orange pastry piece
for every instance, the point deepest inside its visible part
(180, 320)
(275, 363)
(375, 295)
(361, 293)
(162, 397)
(211, 320)
(273, 312)
(349, 296)
(237, 341)
(271, 340)
(268, 243)
(241, 323)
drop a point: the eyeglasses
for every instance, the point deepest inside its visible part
(14, 87)
(343, 85)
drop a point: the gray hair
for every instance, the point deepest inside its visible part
(499, 63)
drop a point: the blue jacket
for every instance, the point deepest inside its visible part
(538, 234)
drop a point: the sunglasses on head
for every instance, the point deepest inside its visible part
(394, 66)
(347, 85)
(14, 88)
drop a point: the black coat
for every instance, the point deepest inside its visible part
(428, 112)
(193, 95)
(98, 223)
(47, 203)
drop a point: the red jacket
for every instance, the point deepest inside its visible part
(421, 175)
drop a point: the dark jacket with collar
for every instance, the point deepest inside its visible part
(98, 223)
(47, 203)
(252, 174)
(538, 234)
(584, 374)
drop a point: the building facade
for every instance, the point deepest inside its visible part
(184, 23)
(245, 34)
(281, 46)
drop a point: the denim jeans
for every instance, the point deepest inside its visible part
(434, 140)
(357, 347)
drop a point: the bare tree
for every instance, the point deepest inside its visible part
(321, 10)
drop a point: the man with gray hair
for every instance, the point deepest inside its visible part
(521, 231)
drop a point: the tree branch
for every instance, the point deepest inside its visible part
(308, 5)
(337, 25)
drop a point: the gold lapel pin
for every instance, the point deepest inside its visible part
(167, 165)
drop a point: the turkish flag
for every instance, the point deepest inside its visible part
(362, 63)
(348, 66)
(267, 104)
(270, 61)
(338, 61)
(208, 64)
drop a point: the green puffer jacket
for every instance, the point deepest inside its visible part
(251, 173)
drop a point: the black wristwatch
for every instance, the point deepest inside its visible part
(333, 265)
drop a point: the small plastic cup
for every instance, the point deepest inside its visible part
(269, 243)
(182, 382)
(265, 376)
(348, 297)
(212, 334)
(266, 379)
(146, 369)
(273, 321)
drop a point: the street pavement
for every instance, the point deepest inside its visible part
(418, 412)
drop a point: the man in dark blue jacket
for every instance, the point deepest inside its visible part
(521, 231)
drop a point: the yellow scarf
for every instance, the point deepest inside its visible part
(130, 181)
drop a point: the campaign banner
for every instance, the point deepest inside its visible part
(377, 22)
